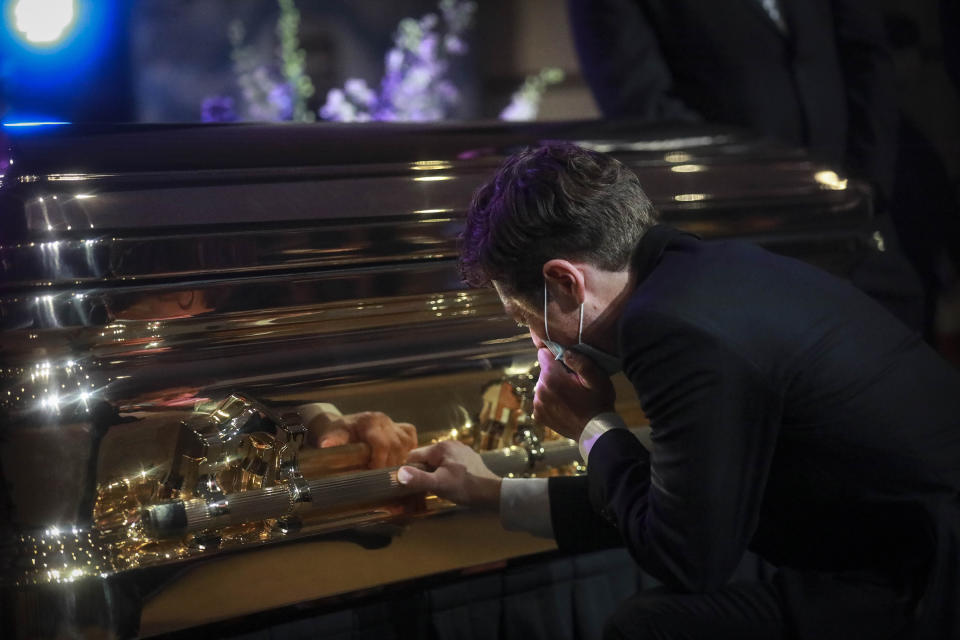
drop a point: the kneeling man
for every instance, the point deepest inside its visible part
(790, 415)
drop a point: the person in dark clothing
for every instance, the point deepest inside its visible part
(790, 415)
(924, 202)
(812, 73)
(816, 74)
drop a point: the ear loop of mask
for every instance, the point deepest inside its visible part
(609, 363)
(546, 325)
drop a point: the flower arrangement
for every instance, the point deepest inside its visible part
(525, 102)
(416, 86)
(269, 92)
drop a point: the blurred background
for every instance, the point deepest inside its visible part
(163, 60)
(195, 60)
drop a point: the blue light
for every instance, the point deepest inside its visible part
(45, 81)
(44, 22)
(52, 33)
(31, 124)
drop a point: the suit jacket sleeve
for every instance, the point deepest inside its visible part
(577, 527)
(870, 80)
(621, 60)
(687, 510)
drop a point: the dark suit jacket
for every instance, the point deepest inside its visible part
(790, 415)
(827, 84)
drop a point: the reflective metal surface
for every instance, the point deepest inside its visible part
(172, 297)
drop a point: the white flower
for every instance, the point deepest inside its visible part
(335, 98)
(358, 92)
(520, 109)
(417, 79)
(338, 107)
(394, 60)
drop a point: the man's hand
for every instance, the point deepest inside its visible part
(567, 398)
(389, 441)
(458, 475)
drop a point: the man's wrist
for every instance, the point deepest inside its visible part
(487, 494)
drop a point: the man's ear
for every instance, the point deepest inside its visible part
(565, 283)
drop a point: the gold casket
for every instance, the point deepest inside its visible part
(181, 304)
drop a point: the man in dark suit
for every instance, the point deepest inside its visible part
(789, 413)
(812, 73)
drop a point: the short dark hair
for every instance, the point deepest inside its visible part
(554, 201)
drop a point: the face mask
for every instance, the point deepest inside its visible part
(609, 363)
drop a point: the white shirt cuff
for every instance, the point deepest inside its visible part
(525, 506)
(598, 426)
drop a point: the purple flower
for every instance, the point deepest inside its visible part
(281, 98)
(454, 45)
(447, 92)
(428, 48)
(415, 85)
(218, 109)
